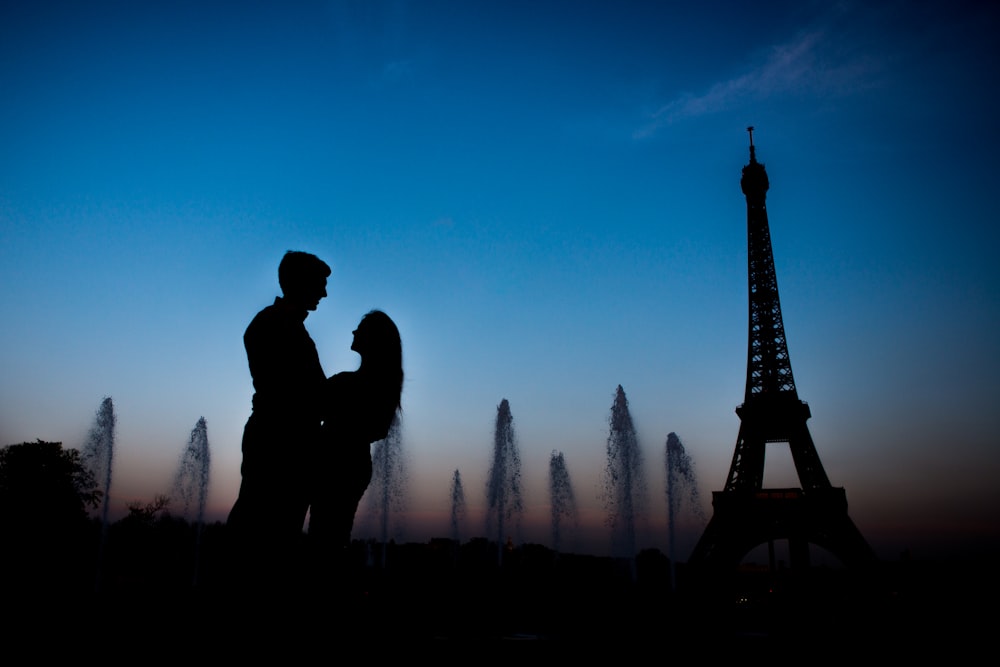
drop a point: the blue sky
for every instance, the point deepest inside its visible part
(545, 197)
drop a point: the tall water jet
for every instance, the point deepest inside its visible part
(682, 489)
(387, 490)
(191, 483)
(624, 483)
(563, 501)
(98, 456)
(503, 486)
(457, 507)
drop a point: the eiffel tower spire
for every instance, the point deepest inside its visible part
(769, 369)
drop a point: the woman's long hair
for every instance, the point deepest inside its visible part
(378, 342)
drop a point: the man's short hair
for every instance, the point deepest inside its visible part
(299, 269)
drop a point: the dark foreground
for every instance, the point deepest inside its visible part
(442, 599)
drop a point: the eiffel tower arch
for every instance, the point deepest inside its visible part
(745, 514)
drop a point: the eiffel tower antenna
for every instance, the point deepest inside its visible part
(745, 513)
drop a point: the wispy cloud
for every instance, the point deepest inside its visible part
(800, 65)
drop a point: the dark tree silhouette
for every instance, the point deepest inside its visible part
(144, 514)
(44, 485)
(45, 495)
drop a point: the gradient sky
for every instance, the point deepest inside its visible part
(545, 197)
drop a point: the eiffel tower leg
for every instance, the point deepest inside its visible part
(807, 464)
(747, 469)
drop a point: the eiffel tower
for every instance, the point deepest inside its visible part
(745, 514)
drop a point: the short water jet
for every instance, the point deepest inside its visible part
(457, 507)
(561, 494)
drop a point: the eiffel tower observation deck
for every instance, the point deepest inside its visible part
(745, 514)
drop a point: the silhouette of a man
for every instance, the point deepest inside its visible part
(267, 519)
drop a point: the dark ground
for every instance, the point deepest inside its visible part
(438, 598)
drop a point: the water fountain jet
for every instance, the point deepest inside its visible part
(563, 501)
(98, 457)
(457, 507)
(503, 487)
(387, 490)
(190, 484)
(682, 490)
(624, 482)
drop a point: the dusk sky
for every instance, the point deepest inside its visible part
(545, 197)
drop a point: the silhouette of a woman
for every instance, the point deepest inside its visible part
(360, 408)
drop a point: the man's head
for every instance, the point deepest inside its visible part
(302, 277)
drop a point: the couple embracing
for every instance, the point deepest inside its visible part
(306, 445)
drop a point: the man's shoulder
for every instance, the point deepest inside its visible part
(269, 317)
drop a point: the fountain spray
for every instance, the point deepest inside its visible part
(503, 488)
